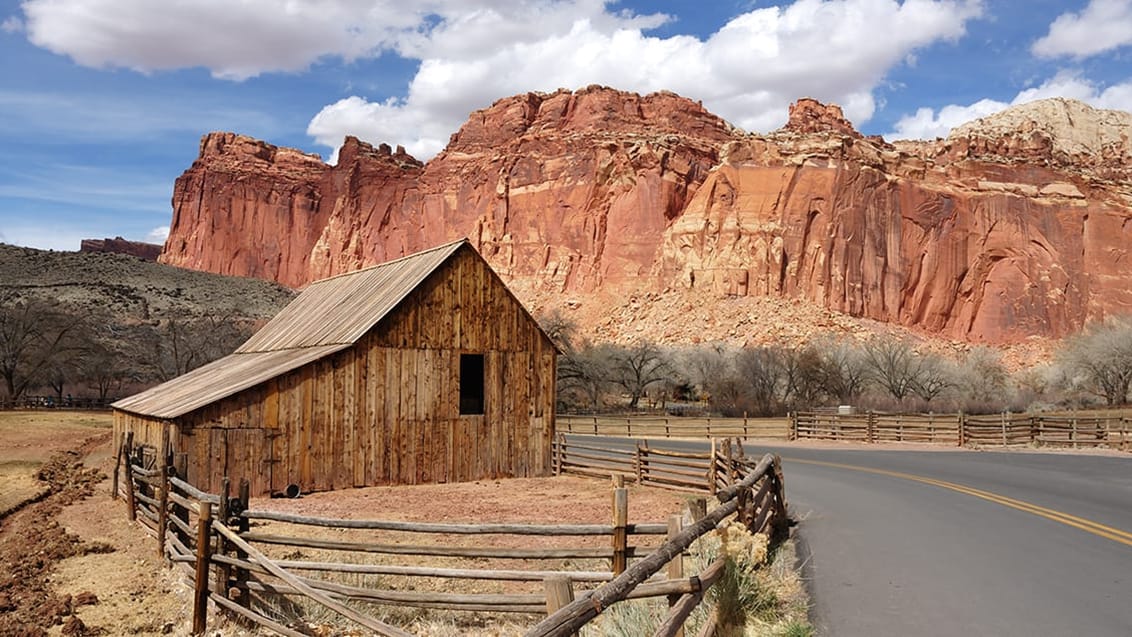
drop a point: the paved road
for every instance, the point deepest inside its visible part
(963, 543)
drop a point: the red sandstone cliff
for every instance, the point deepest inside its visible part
(118, 245)
(1016, 225)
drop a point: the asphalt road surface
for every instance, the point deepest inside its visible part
(931, 543)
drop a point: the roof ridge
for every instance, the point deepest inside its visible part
(393, 261)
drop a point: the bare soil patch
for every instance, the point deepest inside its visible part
(72, 564)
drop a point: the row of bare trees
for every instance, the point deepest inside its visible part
(47, 346)
(885, 373)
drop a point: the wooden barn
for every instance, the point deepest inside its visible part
(423, 369)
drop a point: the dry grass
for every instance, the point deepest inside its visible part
(760, 595)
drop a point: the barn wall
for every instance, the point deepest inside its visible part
(147, 430)
(386, 411)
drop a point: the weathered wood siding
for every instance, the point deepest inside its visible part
(386, 411)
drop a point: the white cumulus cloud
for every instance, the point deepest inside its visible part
(157, 235)
(471, 52)
(748, 71)
(234, 40)
(927, 123)
(1102, 26)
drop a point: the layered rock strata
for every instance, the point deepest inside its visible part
(1014, 226)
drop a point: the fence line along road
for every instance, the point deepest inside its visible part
(674, 426)
(1003, 430)
(1067, 430)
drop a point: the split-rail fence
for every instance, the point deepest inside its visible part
(224, 552)
(1060, 430)
(1005, 429)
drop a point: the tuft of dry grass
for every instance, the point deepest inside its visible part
(761, 593)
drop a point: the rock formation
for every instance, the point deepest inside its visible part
(118, 245)
(1014, 226)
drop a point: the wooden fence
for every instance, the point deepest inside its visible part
(1006, 429)
(254, 573)
(674, 427)
(29, 403)
(698, 472)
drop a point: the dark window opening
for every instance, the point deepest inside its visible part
(471, 384)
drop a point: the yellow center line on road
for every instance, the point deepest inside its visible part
(1107, 532)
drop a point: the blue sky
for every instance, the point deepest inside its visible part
(103, 102)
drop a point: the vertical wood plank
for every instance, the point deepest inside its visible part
(559, 593)
(675, 569)
(200, 582)
(620, 524)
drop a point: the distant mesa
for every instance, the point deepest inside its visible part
(118, 245)
(617, 205)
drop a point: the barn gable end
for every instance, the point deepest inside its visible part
(385, 407)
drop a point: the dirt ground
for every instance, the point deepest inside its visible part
(71, 564)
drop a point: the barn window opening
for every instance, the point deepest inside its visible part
(471, 384)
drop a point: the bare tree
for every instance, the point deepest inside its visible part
(981, 379)
(35, 336)
(803, 377)
(112, 357)
(760, 370)
(1099, 361)
(639, 367)
(563, 331)
(705, 364)
(893, 365)
(585, 370)
(844, 371)
(933, 377)
(180, 343)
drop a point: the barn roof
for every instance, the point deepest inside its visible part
(329, 316)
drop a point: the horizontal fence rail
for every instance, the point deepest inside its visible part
(696, 472)
(209, 539)
(1006, 429)
(674, 426)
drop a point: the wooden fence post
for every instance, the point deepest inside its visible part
(181, 470)
(697, 508)
(204, 555)
(559, 451)
(1004, 429)
(962, 429)
(712, 468)
(675, 569)
(620, 530)
(642, 458)
(222, 543)
(734, 454)
(163, 510)
(559, 593)
(117, 465)
(242, 526)
(163, 497)
(131, 502)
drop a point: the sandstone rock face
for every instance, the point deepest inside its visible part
(118, 245)
(1014, 226)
